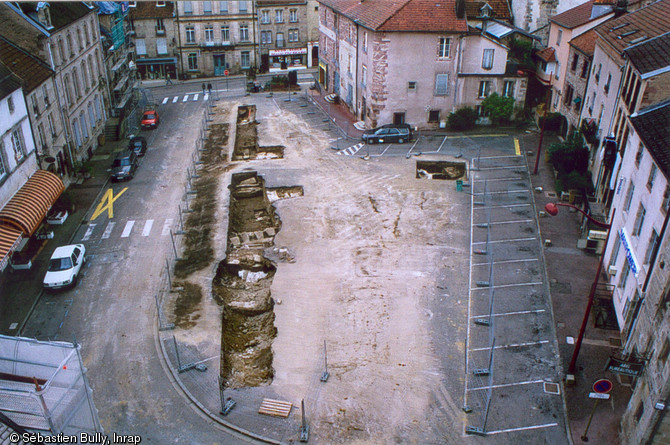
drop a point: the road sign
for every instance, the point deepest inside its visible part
(602, 386)
(596, 395)
(225, 72)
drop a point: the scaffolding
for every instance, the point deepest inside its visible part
(43, 387)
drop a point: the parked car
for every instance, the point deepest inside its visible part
(150, 119)
(138, 144)
(388, 133)
(64, 266)
(124, 166)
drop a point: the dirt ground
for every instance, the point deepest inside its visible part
(371, 248)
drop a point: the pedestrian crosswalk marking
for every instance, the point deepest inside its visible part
(185, 98)
(205, 97)
(127, 229)
(176, 98)
(350, 151)
(166, 227)
(89, 232)
(165, 101)
(108, 230)
(195, 97)
(147, 227)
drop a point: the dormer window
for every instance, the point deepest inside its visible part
(132, 4)
(160, 4)
(44, 15)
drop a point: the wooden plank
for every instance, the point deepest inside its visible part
(278, 408)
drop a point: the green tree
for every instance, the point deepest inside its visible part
(463, 119)
(499, 108)
(571, 161)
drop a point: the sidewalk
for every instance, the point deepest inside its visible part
(571, 272)
(21, 290)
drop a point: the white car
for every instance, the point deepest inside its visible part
(64, 266)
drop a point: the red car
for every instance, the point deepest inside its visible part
(150, 119)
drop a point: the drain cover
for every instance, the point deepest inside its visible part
(552, 388)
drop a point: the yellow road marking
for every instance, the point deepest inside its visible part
(476, 136)
(109, 198)
(517, 149)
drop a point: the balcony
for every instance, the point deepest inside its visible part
(160, 31)
(210, 45)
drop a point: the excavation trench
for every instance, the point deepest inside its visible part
(246, 140)
(440, 169)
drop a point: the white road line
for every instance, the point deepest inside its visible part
(502, 206)
(185, 98)
(499, 286)
(523, 428)
(516, 345)
(519, 221)
(503, 314)
(506, 385)
(502, 192)
(176, 98)
(164, 101)
(127, 229)
(508, 262)
(147, 227)
(205, 97)
(89, 232)
(443, 141)
(195, 97)
(512, 240)
(108, 230)
(166, 227)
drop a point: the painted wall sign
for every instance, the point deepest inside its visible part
(630, 255)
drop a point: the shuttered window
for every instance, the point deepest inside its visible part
(442, 85)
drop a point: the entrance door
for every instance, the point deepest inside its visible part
(350, 94)
(398, 118)
(363, 105)
(219, 64)
(315, 55)
(336, 83)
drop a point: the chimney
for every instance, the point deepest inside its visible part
(620, 8)
(460, 9)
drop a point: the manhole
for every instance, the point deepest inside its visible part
(552, 388)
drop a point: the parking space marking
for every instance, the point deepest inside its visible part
(516, 345)
(523, 428)
(505, 385)
(108, 230)
(511, 240)
(517, 149)
(165, 101)
(507, 261)
(443, 141)
(127, 229)
(166, 227)
(503, 192)
(185, 98)
(89, 232)
(502, 206)
(176, 98)
(500, 286)
(504, 314)
(147, 227)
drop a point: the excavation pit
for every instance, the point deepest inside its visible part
(446, 170)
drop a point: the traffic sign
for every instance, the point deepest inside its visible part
(602, 386)
(596, 395)
(225, 72)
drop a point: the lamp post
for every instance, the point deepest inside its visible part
(552, 209)
(521, 72)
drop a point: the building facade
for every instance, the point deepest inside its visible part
(577, 74)
(153, 27)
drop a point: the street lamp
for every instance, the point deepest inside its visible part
(521, 72)
(552, 209)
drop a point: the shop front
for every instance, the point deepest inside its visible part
(287, 59)
(157, 68)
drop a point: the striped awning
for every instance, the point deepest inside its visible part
(28, 207)
(9, 240)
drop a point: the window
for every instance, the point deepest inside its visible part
(597, 76)
(640, 411)
(80, 41)
(624, 273)
(68, 92)
(3, 168)
(40, 136)
(98, 113)
(639, 220)
(585, 69)
(558, 37)
(666, 199)
(629, 197)
(364, 76)
(52, 127)
(84, 77)
(266, 37)
(441, 84)
(484, 88)
(10, 104)
(132, 4)
(243, 7)
(443, 48)
(245, 60)
(91, 116)
(293, 35)
(652, 176)
(33, 102)
(188, 8)
(293, 15)
(207, 8)
(411, 85)
(160, 4)
(652, 247)
(279, 15)
(280, 40)
(192, 61)
(77, 133)
(265, 16)
(91, 73)
(223, 7)
(607, 84)
(487, 59)
(433, 116)
(86, 35)
(209, 33)
(225, 33)
(365, 41)
(160, 26)
(663, 353)
(638, 155)
(575, 62)
(45, 94)
(141, 46)
(61, 50)
(161, 46)
(84, 127)
(615, 251)
(190, 34)
(244, 33)
(508, 88)
(18, 144)
(558, 70)
(70, 48)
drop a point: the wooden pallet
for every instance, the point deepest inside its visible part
(277, 408)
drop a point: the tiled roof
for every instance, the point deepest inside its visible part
(370, 13)
(8, 83)
(582, 14)
(29, 69)
(653, 126)
(62, 13)
(18, 30)
(586, 42)
(501, 9)
(427, 16)
(547, 54)
(650, 55)
(148, 10)
(280, 2)
(624, 31)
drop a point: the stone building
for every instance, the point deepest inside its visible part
(577, 73)
(214, 36)
(153, 26)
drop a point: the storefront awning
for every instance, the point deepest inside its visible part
(157, 61)
(28, 207)
(9, 241)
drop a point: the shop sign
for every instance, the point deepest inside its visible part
(287, 52)
(629, 368)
